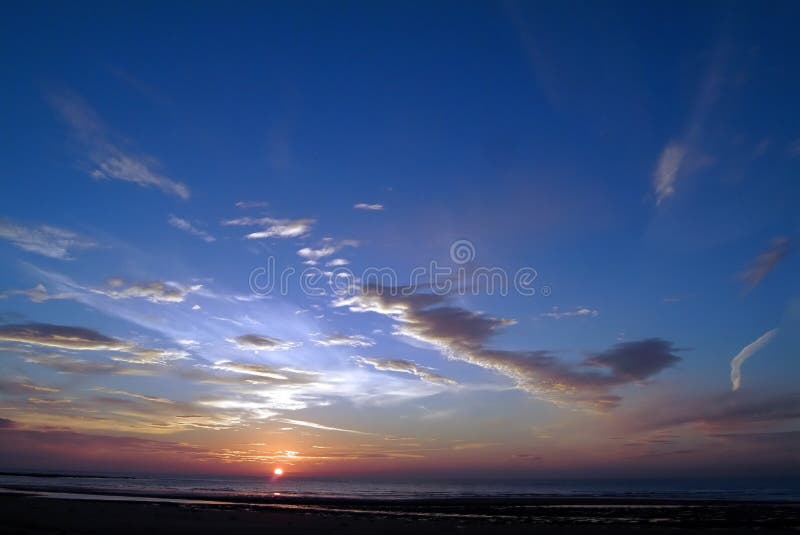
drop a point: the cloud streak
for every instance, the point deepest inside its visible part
(766, 262)
(46, 240)
(375, 207)
(186, 226)
(748, 351)
(405, 366)
(111, 162)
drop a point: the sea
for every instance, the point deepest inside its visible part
(263, 489)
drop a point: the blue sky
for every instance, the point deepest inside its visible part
(642, 159)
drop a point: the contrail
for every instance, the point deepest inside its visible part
(744, 354)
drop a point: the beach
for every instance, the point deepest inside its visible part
(42, 513)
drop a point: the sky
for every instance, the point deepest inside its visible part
(359, 239)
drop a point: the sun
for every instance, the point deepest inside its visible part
(278, 471)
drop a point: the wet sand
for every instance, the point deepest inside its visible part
(31, 514)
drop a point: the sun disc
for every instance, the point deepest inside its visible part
(278, 471)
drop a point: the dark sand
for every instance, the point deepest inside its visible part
(20, 513)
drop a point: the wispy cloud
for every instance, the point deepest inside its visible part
(82, 339)
(667, 170)
(53, 242)
(766, 262)
(682, 156)
(327, 248)
(366, 206)
(257, 342)
(246, 205)
(338, 339)
(186, 226)
(273, 228)
(155, 291)
(405, 366)
(38, 294)
(747, 352)
(109, 160)
(580, 312)
(313, 425)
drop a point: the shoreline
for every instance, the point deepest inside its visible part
(50, 512)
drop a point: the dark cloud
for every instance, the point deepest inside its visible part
(731, 410)
(463, 334)
(5, 423)
(45, 334)
(79, 338)
(636, 361)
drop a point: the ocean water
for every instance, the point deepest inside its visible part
(273, 488)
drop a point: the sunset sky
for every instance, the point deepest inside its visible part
(631, 172)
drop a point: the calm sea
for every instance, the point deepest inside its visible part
(221, 488)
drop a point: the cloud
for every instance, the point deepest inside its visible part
(79, 338)
(667, 170)
(69, 365)
(45, 334)
(153, 399)
(256, 342)
(736, 411)
(109, 160)
(258, 370)
(23, 386)
(185, 226)
(462, 334)
(766, 262)
(5, 423)
(337, 339)
(337, 262)
(155, 292)
(682, 157)
(746, 352)
(38, 294)
(53, 242)
(245, 205)
(303, 423)
(364, 206)
(327, 249)
(405, 366)
(273, 228)
(579, 312)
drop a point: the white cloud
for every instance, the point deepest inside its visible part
(405, 366)
(312, 256)
(748, 351)
(53, 242)
(366, 206)
(667, 170)
(337, 339)
(273, 228)
(577, 313)
(338, 262)
(244, 205)
(186, 226)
